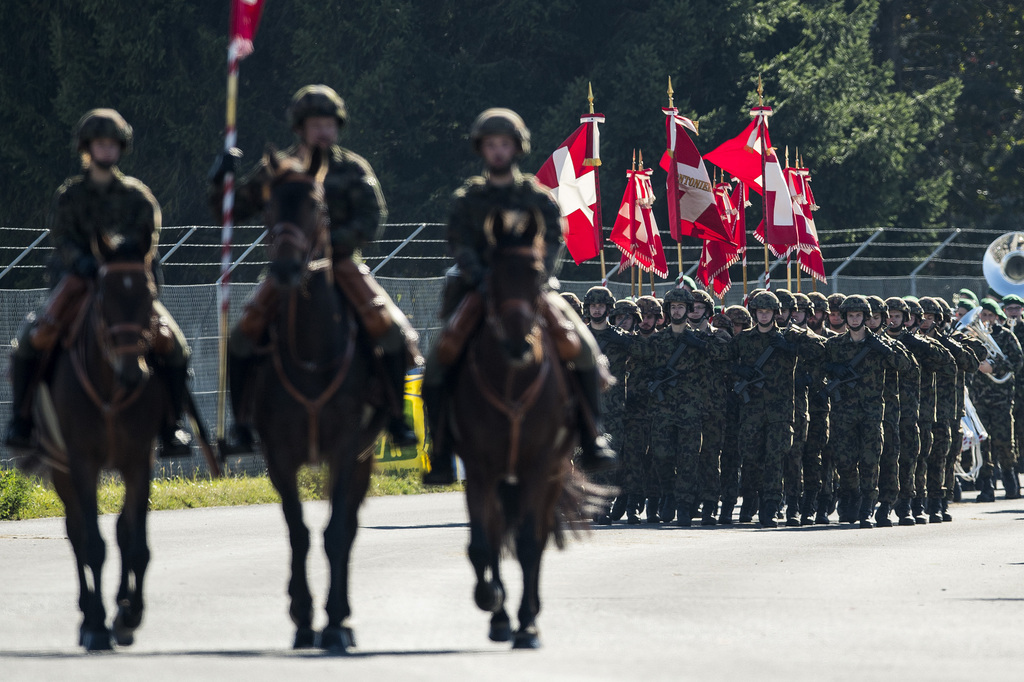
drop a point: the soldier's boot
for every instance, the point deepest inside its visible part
(986, 491)
(807, 509)
(864, 507)
(748, 508)
(793, 511)
(602, 519)
(632, 510)
(596, 455)
(653, 508)
(944, 507)
(402, 434)
(902, 510)
(667, 509)
(242, 440)
(934, 508)
(766, 514)
(682, 516)
(725, 516)
(174, 439)
(843, 507)
(958, 491)
(821, 514)
(24, 372)
(917, 508)
(618, 508)
(442, 467)
(882, 519)
(694, 509)
(707, 517)
(1011, 483)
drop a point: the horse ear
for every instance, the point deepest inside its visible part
(270, 158)
(536, 228)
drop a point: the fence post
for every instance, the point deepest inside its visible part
(24, 253)
(400, 247)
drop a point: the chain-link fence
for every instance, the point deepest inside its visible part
(195, 309)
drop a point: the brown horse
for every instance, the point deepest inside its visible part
(315, 397)
(514, 426)
(101, 409)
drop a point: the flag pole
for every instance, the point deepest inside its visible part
(227, 211)
(593, 161)
(764, 191)
(674, 177)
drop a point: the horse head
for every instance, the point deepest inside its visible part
(296, 215)
(515, 280)
(125, 292)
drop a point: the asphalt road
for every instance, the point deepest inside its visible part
(936, 602)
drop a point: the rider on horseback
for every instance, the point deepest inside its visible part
(357, 212)
(101, 203)
(499, 136)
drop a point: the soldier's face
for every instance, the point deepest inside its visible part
(625, 322)
(927, 321)
(835, 319)
(105, 152)
(320, 131)
(782, 317)
(597, 311)
(854, 319)
(677, 311)
(698, 311)
(737, 328)
(765, 317)
(498, 152)
(647, 323)
(988, 317)
(895, 320)
(799, 316)
(875, 321)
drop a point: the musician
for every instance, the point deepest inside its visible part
(102, 202)
(994, 401)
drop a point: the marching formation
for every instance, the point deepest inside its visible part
(799, 406)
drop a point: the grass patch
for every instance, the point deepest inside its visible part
(29, 497)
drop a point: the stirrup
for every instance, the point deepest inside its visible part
(175, 441)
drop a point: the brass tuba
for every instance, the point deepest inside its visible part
(1003, 264)
(972, 325)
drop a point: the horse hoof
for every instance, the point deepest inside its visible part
(337, 640)
(526, 639)
(489, 596)
(124, 626)
(501, 631)
(95, 640)
(305, 638)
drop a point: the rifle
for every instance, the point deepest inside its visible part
(832, 387)
(757, 380)
(655, 386)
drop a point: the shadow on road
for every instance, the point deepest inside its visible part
(461, 524)
(239, 653)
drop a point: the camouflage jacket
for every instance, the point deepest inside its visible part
(616, 345)
(949, 386)
(355, 203)
(864, 394)
(683, 391)
(984, 391)
(83, 210)
(772, 399)
(476, 204)
(808, 373)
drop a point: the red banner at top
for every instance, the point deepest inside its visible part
(245, 19)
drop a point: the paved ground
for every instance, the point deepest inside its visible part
(930, 602)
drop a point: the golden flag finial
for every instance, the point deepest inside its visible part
(641, 159)
(760, 92)
(634, 159)
(590, 97)
(670, 93)
(787, 156)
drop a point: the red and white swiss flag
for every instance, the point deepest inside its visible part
(574, 184)
(245, 19)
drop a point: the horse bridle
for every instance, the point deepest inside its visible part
(142, 342)
(525, 306)
(290, 233)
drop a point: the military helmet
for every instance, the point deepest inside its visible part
(701, 296)
(100, 123)
(897, 303)
(574, 301)
(947, 310)
(500, 121)
(316, 100)
(877, 304)
(835, 301)
(598, 295)
(765, 300)
(678, 296)
(786, 300)
(803, 302)
(855, 303)
(648, 305)
(915, 306)
(929, 306)
(626, 307)
(819, 301)
(739, 315)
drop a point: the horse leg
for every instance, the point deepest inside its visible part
(131, 538)
(349, 485)
(301, 607)
(501, 624)
(78, 492)
(529, 549)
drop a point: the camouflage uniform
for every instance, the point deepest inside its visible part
(729, 466)
(714, 422)
(857, 412)
(994, 403)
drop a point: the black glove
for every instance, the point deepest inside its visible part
(85, 266)
(912, 341)
(878, 345)
(838, 370)
(780, 343)
(662, 373)
(694, 341)
(226, 162)
(745, 372)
